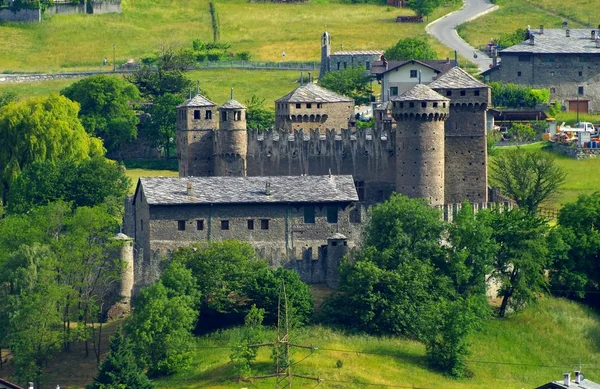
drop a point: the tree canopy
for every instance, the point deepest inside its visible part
(161, 121)
(169, 76)
(39, 129)
(352, 82)
(517, 96)
(258, 117)
(411, 49)
(106, 108)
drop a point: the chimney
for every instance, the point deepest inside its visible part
(30, 385)
(190, 191)
(567, 379)
(565, 25)
(578, 377)
(568, 32)
(598, 43)
(494, 57)
(268, 188)
(532, 40)
(541, 29)
(593, 35)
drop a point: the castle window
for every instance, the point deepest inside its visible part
(518, 74)
(360, 189)
(580, 74)
(208, 114)
(435, 105)
(368, 65)
(308, 105)
(444, 105)
(476, 93)
(199, 225)
(552, 90)
(224, 224)
(411, 105)
(355, 216)
(196, 114)
(345, 65)
(394, 91)
(401, 105)
(424, 104)
(319, 105)
(298, 105)
(181, 225)
(332, 214)
(414, 74)
(250, 224)
(237, 115)
(224, 115)
(463, 93)
(448, 93)
(264, 224)
(580, 90)
(309, 214)
(338, 66)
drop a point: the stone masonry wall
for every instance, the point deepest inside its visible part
(576, 152)
(313, 116)
(104, 7)
(22, 15)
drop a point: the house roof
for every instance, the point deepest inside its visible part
(420, 92)
(9, 384)
(585, 384)
(248, 190)
(312, 93)
(439, 66)
(358, 52)
(383, 106)
(456, 78)
(232, 104)
(491, 70)
(555, 41)
(197, 101)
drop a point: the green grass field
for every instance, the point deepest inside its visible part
(135, 174)
(551, 338)
(582, 11)
(264, 29)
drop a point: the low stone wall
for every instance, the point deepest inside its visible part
(17, 78)
(22, 15)
(106, 7)
(66, 9)
(576, 152)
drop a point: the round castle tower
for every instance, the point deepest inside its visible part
(231, 146)
(420, 113)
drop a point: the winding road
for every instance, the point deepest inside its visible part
(444, 29)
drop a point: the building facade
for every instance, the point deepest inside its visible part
(565, 61)
(341, 60)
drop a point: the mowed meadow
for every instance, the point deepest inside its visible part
(63, 42)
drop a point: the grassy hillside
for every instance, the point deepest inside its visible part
(582, 11)
(264, 29)
(523, 351)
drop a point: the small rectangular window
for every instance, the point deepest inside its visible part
(308, 105)
(264, 224)
(580, 74)
(224, 224)
(181, 225)
(580, 90)
(208, 114)
(411, 104)
(224, 115)
(435, 104)
(319, 105)
(298, 105)
(355, 216)
(394, 91)
(196, 114)
(552, 90)
(345, 65)
(414, 74)
(368, 65)
(332, 214)
(476, 93)
(448, 93)
(463, 93)
(250, 224)
(338, 66)
(360, 189)
(518, 74)
(309, 214)
(423, 104)
(199, 225)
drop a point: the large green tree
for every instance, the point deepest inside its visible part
(529, 178)
(351, 82)
(411, 49)
(106, 108)
(7, 98)
(424, 7)
(257, 116)
(161, 122)
(38, 129)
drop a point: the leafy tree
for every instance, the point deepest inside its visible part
(529, 178)
(352, 82)
(120, 369)
(521, 132)
(106, 108)
(554, 109)
(243, 354)
(92, 182)
(257, 117)
(7, 98)
(411, 49)
(162, 122)
(522, 257)
(169, 76)
(508, 39)
(38, 129)
(424, 7)
(160, 327)
(517, 96)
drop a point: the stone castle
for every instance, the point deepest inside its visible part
(434, 147)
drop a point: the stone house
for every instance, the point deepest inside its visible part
(311, 107)
(396, 77)
(299, 222)
(565, 61)
(341, 60)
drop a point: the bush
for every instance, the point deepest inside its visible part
(517, 96)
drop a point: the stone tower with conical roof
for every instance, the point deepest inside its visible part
(231, 140)
(196, 121)
(420, 113)
(465, 136)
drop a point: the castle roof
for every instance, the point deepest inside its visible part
(197, 101)
(456, 78)
(420, 92)
(359, 52)
(248, 190)
(555, 41)
(232, 104)
(379, 68)
(312, 93)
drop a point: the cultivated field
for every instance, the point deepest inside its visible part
(264, 29)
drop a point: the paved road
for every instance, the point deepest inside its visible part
(444, 29)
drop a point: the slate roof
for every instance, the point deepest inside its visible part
(420, 92)
(358, 52)
(312, 93)
(197, 101)
(248, 190)
(456, 78)
(232, 104)
(585, 384)
(383, 106)
(555, 41)
(9, 384)
(439, 66)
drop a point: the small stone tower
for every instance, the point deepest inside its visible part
(420, 114)
(337, 248)
(231, 140)
(196, 122)
(325, 53)
(465, 133)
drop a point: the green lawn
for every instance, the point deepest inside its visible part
(265, 29)
(135, 174)
(553, 333)
(582, 11)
